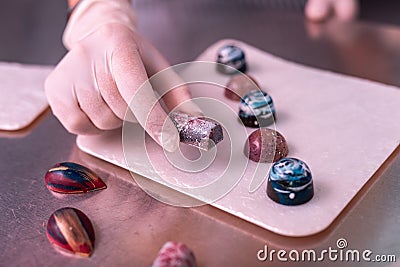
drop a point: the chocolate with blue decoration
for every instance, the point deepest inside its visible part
(231, 60)
(256, 109)
(72, 178)
(290, 182)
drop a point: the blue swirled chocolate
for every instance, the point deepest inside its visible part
(231, 59)
(256, 109)
(290, 182)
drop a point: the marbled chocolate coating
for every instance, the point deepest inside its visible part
(239, 85)
(266, 145)
(290, 182)
(233, 57)
(256, 109)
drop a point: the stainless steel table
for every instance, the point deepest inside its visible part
(130, 225)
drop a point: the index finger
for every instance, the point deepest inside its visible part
(165, 84)
(131, 79)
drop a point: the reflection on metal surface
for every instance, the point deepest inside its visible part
(27, 130)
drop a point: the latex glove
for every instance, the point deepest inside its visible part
(108, 61)
(320, 10)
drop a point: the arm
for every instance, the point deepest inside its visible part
(108, 60)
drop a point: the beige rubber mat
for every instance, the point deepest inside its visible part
(343, 127)
(22, 97)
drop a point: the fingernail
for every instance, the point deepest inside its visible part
(190, 108)
(129, 116)
(170, 138)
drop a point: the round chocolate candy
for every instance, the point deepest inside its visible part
(239, 85)
(266, 145)
(231, 59)
(175, 254)
(256, 109)
(290, 182)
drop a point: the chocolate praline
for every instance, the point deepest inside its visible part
(200, 132)
(239, 85)
(72, 178)
(175, 254)
(266, 145)
(71, 230)
(290, 182)
(232, 59)
(256, 109)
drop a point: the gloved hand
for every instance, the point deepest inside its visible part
(108, 60)
(319, 10)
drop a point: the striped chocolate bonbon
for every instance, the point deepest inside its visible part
(72, 178)
(71, 230)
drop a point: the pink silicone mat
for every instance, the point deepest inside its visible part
(343, 127)
(22, 94)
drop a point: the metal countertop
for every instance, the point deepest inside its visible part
(131, 226)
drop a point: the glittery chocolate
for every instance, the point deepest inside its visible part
(266, 145)
(231, 59)
(290, 182)
(239, 85)
(256, 109)
(175, 254)
(200, 132)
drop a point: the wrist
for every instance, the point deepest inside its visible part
(90, 15)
